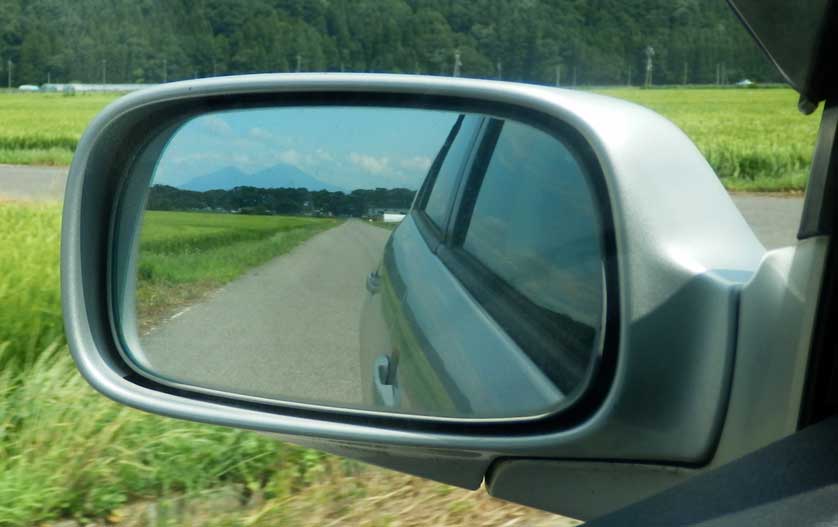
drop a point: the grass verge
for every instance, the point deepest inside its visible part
(183, 255)
(66, 451)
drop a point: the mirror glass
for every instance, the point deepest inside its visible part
(416, 261)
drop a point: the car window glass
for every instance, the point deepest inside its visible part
(535, 225)
(447, 176)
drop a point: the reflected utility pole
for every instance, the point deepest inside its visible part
(457, 63)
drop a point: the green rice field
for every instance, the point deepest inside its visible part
(755, 140)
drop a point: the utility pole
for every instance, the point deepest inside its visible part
(724, 74)
(718, 74)
(628, 82)
(574, 75)
(650, 53)
(299, 63)
(104, 71)
(685, 73)
(558, 75)
(9, 69)
(214, 70)
(49, 74)
(499, 67)
(165, 70)
(457, 63)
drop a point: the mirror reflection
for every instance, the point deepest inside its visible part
(427, 262)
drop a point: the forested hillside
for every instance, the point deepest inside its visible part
(572, 41)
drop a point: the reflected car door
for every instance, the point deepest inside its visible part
(386, 326)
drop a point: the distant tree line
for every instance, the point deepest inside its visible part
(252, 200)
(541, 41)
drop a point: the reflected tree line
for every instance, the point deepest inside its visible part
(301, 201)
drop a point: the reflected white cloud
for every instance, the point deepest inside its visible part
(418, 164)
(343, 147)
(215, 125)
(371, 164)
(260, 134)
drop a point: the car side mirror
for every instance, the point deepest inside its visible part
(448, 277)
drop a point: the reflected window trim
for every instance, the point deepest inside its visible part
(434, 234)
(521, 318)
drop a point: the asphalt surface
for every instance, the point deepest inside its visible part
(32, 183)
(774, 219)
(285, 330)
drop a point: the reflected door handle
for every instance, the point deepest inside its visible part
(373, 282)
(383, 378)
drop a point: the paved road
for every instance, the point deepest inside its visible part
(288, 329)
(774, 219)
(32, 183)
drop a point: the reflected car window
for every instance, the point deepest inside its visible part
(447, 176)
(535, 225)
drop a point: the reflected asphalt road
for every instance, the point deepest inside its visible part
(287, 329)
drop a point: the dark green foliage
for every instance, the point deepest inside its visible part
(586, 42)
(251, 200)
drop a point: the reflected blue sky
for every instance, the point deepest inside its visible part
(343, 147)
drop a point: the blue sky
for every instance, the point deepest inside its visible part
(351, 147)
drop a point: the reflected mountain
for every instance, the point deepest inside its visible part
(278, 176)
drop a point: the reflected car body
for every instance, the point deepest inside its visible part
(476, 313)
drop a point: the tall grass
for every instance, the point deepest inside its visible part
(66, 450)
(30, 300)
(44, 129)
(754, 139)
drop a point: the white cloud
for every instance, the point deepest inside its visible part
(323, 155)
(291, 157)
(216, 125)
(371, 164)
(418, 164)
(260, 134)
